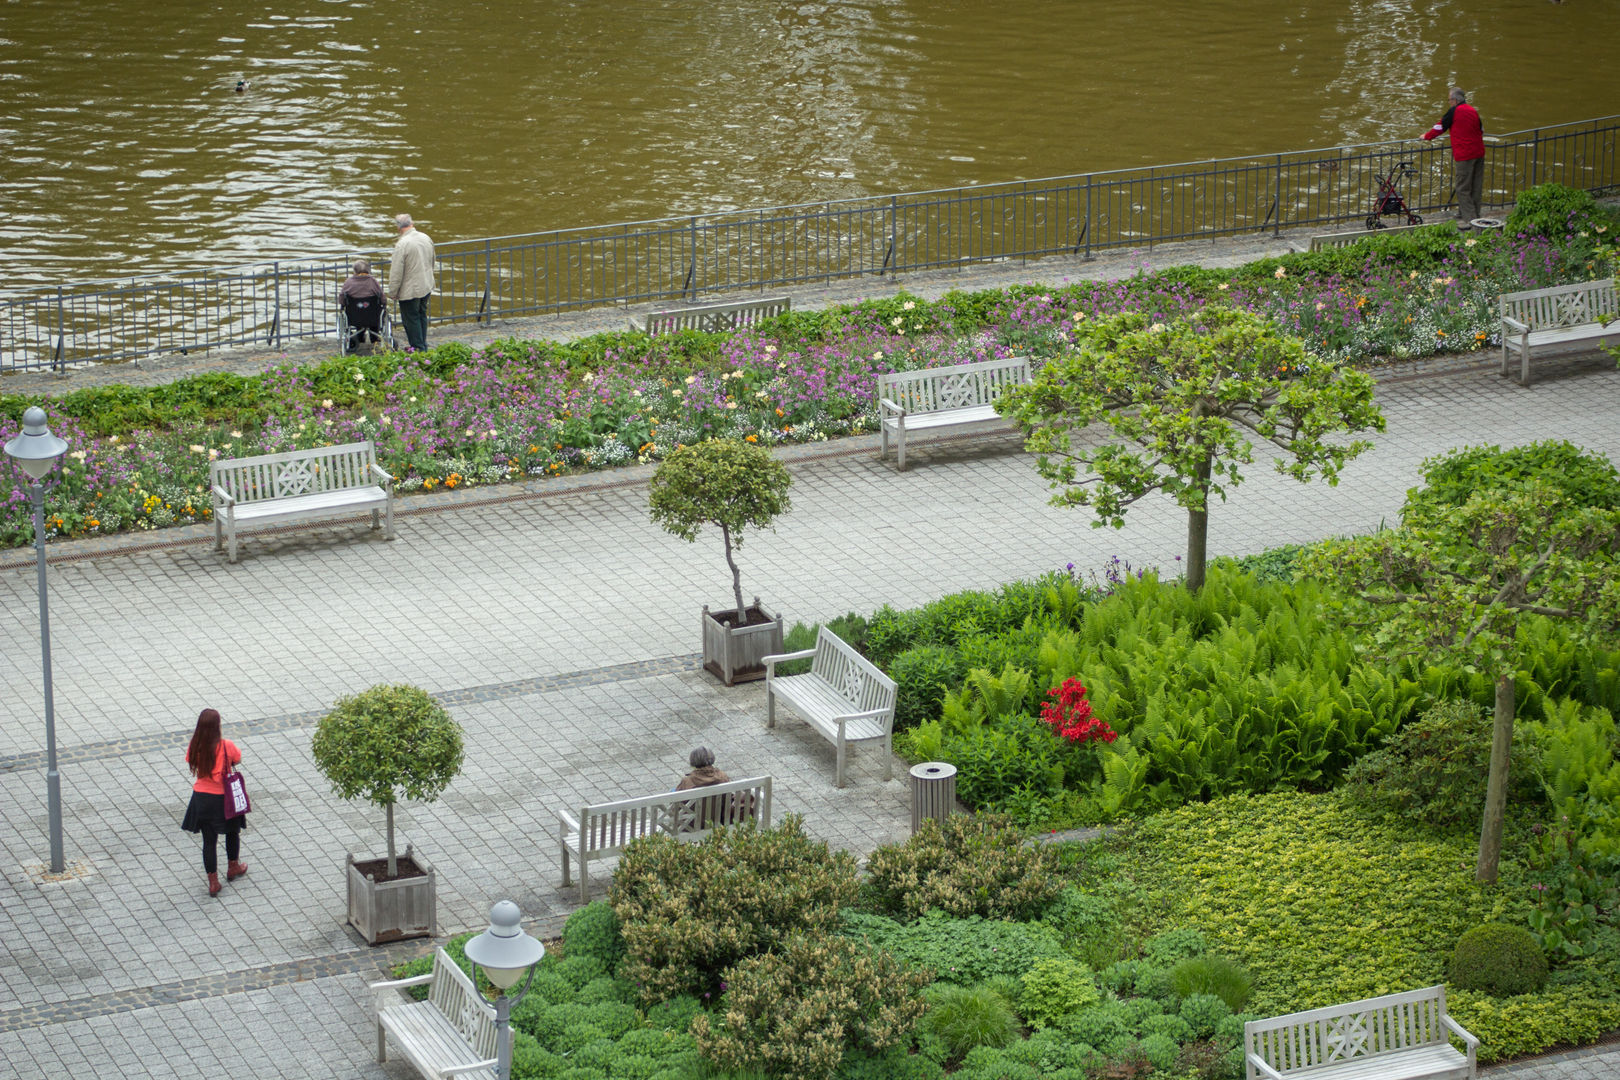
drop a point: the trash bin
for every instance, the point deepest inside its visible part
(1487, 224)
(933, 792)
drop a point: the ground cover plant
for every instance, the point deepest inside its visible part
(454, 417)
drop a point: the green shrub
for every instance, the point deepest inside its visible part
(1099, 1026)
(972, 864)
(969, 1017)
(923, 675)
(1160, 1050)
(689, 911)
(850, 628)
(1211, 974)
(1204, 1013)
(896, 1063)
(792, 1012)
(593, 931)
(674, 1013)
(1554, 211)
(606, 988)
(1584, 478)
(1434, 769)
(962, 951)
(1498, 959)
(1055, 988)
(989, 1063)
(1088, 925)
(1003, 759)
(1173, 946)
(1170, 1024)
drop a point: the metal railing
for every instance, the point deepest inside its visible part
(680, 259)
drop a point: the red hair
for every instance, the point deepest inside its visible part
(203, 752)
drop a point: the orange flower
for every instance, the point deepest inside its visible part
(751, 438)
(779, 412)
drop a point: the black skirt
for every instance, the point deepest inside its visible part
(207, 809)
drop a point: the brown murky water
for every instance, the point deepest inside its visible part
(126, 150)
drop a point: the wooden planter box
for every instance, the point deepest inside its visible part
(385, 911)
(735, 654)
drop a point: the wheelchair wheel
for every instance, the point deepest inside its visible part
(1374, 222)
(1414, 219)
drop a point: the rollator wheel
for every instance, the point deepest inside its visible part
(1373, 222)
(1414, 219)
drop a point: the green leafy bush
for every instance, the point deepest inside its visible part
(1160, 1050)
(1173, 946)
(965, 951)
(1554, 211)
(969, 1017)
(1211, 974)
(1433, 770)
(1584, 478)
(1100, 1025)
(792, 1012)
(972, 864)
(850, 629)
(1055, 988)
(923, 675)
(593, 931)
(1498, 959)
(1204, 1013)
(689, 911)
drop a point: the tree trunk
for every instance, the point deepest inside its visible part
(1198, 534)
(393, 863)
(736, 577)
(1490, 829)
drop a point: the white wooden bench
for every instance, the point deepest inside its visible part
(713, 318)
(328, 481)
(942, 397)
(452, 1033)
(1394, 1037)
(1355, 236)
(842, 696)
(1562, 318)
(605, 828)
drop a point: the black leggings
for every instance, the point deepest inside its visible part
(233, 846)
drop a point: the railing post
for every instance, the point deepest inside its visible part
(57, 363)
(275, 306)
(894, 231)
(1535, 157)
(483, 306)
(1276, 224)
(1085, 228)
(690, 291)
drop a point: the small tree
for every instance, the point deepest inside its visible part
(725, 482)
(1188, 394)
(385, 744)
(1455, 581)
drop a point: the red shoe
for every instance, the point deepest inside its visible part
(213, 885)
(235, 870)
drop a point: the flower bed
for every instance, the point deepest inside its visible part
(456, 417)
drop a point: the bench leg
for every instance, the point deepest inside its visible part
(838, 777)
(568, 879)
(219, 533)
(770, 705)
(230, 533)
(1524, 368)
(584, 878)
(388, 516)
(376, 521)
(883, 440)
(888, 760)
(382, 1044)
(900, 450)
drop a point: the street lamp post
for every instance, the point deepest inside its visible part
(505, 953)
(36, 451)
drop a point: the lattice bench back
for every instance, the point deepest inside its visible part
(297, 472)
(689, 814)
(452, 993)
(959, 386)
(851, 674)
(1381, 1025)
(717, 318)
(1565, 305)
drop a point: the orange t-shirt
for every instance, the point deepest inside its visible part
(214, 782)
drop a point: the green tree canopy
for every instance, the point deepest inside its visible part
(1183, 400)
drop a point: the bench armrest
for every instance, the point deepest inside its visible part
(1461, 1032)
(221, 495)
(772, 661)
(414, 980)
(1265, 1070)
(380, 471)
(1514, 325)
(453, 1070)
(567, 819)
(869, 714)
(889, 406)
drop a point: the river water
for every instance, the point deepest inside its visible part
(126, 149)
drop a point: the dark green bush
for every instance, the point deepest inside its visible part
(1585, 479)
(1498, 959)
(973, 864)
(850, 628)
(1554, 211)
(963, 951)
(1211, 974)
(896, 1063)
(923, 675)
(1055, 988)
(1174, 946)
(689, 911)
(1010, 758)
(1434, 768)
(969, 1017)
(1160, 1050)
(593, 931)
(1204, 1013)
(793, 1012)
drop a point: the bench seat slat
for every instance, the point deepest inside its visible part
(319, 505)
(1422, 1062)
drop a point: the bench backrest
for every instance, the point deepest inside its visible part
(957, 386)
(452, 993)
(297, 472)
(715, 318)
(1345, 239)
(689, 815)
(1380, 1025)
(851, 674)
(1563, 305)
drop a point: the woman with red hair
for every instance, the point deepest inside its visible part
(209, 757)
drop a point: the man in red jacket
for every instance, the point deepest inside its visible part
(1467, 151)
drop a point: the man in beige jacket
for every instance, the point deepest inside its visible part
(410, 279)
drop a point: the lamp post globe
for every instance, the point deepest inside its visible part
(506, 954)
(36, 450)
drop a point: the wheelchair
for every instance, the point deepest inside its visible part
(364, 325)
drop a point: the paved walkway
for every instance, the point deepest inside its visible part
(559, 624)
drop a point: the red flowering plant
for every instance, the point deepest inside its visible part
(1070, 715)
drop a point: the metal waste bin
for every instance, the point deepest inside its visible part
(1486, 224)
(933, 792)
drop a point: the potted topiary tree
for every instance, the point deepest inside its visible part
(385, 744)
(736, 486)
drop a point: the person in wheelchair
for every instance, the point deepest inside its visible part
(363, 323)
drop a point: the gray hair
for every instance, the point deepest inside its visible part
(403, 221)
(1457, 95)
(362, 266)
(701, 758)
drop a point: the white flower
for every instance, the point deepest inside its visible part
(113, 439)
(469, 433)
(1079, 316)
(1470, 242)
(359, 393)
(359, 377)
(878, 355)
(1412, 276)
(588, 377)
(897, 320)
(1223, 286)
(677, 391)
(493, 433)
(770, 348)
(1320, 306)
(196, 449)
(1156, 328)
(236, 434)
(385, 420)
(1281, 273)
(213, 455)
(326, 403)
(760, 396)
(690, 379)
(412, 399)
(908, 305)
(731, 404)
